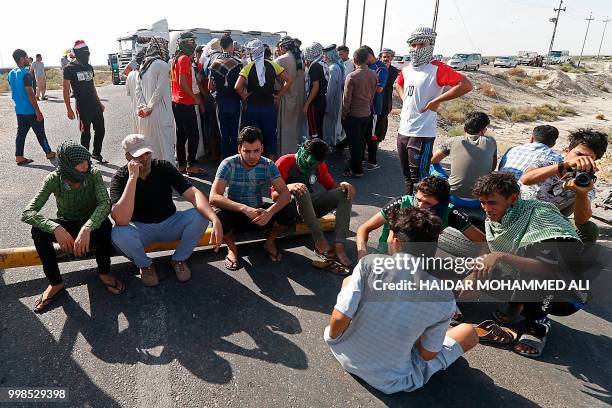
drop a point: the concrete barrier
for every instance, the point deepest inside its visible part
(27, 256)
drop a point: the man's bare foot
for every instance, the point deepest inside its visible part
(50, 155)
(112, 284)
(273, 252)
(342, 256)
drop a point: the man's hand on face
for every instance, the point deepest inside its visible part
(580, 163)
(297, 189)
(579, 191)
(134, 168)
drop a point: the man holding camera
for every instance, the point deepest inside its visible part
(568, 184)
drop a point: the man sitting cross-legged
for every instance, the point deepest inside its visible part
(246, 175)
(301, 171)
(432, 193)
(395, 340)
(143, 210)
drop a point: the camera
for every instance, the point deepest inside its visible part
(583, 178)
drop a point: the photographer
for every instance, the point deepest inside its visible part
(557, 183)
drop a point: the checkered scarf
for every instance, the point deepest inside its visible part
(313, 53)
(423, 55)
(223, 64)
(69, 155)
(256, 49)
(157, 49)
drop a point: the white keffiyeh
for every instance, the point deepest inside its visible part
(256, 49)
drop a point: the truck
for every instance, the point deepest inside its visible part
(204, 35)
(526, 57)
(558, 57)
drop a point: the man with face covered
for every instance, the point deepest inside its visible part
(143, 210)
(79, 75)
(421, 86)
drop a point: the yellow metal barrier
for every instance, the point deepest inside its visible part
(27, 256)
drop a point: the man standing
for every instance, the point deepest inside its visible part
(256, 89)
(332, 128)
(143, 210)
(290, 116)
(382, 120)
(420, 85)
(314, 107)
(343, 53)
(359, 91)
(222, 76)
(38, 69)
(380, 69)
(246, 175)
(184, 102)
(79, 75)
(26, 108)
(64, 61)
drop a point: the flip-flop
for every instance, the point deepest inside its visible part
(118, 286)
(334, 267)
(532, 341)
(490, 332)
(24, 162)
(231, 265)
(41, 304)
(277, 257)
(351, 174)
(328, 255)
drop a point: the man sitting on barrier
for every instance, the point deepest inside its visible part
(301, 171)
(395, 339)
(432, 193)
(246, 175)
(144, 213)
(82, 220)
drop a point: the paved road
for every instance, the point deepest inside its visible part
(247, 338)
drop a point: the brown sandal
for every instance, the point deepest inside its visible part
(334, 267)
(41, 303)
(490, 332)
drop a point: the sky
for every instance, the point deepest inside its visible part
(490, 27)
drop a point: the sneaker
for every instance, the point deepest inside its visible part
(371, 166)
(148, 276)
(183, 273)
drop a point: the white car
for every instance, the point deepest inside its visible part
(507, 61)
(464, 62)
(400, 61)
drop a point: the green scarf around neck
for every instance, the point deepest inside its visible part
(305, 161)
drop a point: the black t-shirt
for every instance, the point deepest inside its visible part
(82, 83)
(316, 73)
(261, 95)
(153, 203)
(388, 92)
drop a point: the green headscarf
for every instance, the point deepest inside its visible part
(69, 155)
(305, 161)
(186, 44)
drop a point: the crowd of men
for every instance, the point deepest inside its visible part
(256, 113)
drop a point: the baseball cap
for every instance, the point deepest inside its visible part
(136, 145)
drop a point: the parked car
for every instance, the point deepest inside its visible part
(527, 57)
(465, 61)
(507, 61)
(437, 57)
(400, 61)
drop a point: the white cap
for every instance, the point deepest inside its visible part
(136, 145)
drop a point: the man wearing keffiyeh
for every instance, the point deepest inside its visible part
(332, 129)
(314, 107)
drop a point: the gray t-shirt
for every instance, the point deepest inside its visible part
(38, 68)
(470, 157)
(378, 345)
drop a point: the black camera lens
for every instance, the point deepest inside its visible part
(583, 179)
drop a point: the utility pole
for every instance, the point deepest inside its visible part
(345, 22)
(585, 36)
(362, 21)
(435, 20)
(382, 35)
(556, 21)
(606, 21)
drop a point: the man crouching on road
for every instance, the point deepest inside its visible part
(396, 340)
(143, 210)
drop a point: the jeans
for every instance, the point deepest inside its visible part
(100, 239)
(436, 169)
(24, 123)
(186, 132)
(228, 116)
(263, 117)
(311, 207)
(356, 130)
(415, 156)
(95, 118)
(185, 226)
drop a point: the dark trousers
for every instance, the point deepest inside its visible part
(356, 130)
(186, 132)
(264, 118)
(380, 130)
(228, 116)
(87, 119)
(315, 121)
(100, 239)
(236, 222)
(24, 123)
(415, 156)
(370, 141)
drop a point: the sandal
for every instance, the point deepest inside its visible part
(275, 257)
(532, 341)
(41, 304)
(350, 174)
(328, 255)
(231, 265)
(24, 162)
(490, 332)
(118, 286)
(334, 267)
(195, 171)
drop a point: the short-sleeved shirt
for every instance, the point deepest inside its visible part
(261, 95)
(39, 69)
(19, 79)
(181, 66)
(246, 186)
(82, 82)
(382, 74)
(421, 85)
(290, 172)
(379, 344)
(471, 157)
(519, 158)
(153, 200)
(388, 92)
(317, 73)
(451, 217)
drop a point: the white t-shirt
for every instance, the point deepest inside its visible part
(39, 69)
(421, 85)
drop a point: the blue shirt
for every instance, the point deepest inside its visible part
(519, 158)
(244, 185)
(382, 74)
(18, 78)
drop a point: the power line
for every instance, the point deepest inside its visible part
(585, 37)
(464, 25)
(556, 21)
(606, 21)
